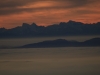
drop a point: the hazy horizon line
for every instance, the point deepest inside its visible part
(49, 24)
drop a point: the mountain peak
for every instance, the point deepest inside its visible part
(25, 25)
(33, 24)
(71, 21)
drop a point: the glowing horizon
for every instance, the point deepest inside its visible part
(46, 12)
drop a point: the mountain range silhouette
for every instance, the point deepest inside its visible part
(61, 29)
(63, 43)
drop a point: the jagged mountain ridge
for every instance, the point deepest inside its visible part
(63, 28)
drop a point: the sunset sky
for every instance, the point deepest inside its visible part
(46, 12)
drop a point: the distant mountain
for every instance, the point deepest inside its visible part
(61, 29)
(64, 43)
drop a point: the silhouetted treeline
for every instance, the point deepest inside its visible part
(61, 29)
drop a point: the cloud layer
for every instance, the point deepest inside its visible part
(45, 12)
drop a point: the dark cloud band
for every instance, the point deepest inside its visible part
(12, 6)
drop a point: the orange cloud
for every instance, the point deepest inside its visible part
(46, 12)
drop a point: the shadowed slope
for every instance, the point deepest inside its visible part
(63, 43)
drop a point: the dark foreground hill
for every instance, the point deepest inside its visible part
(64, 43)
(61, 29)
